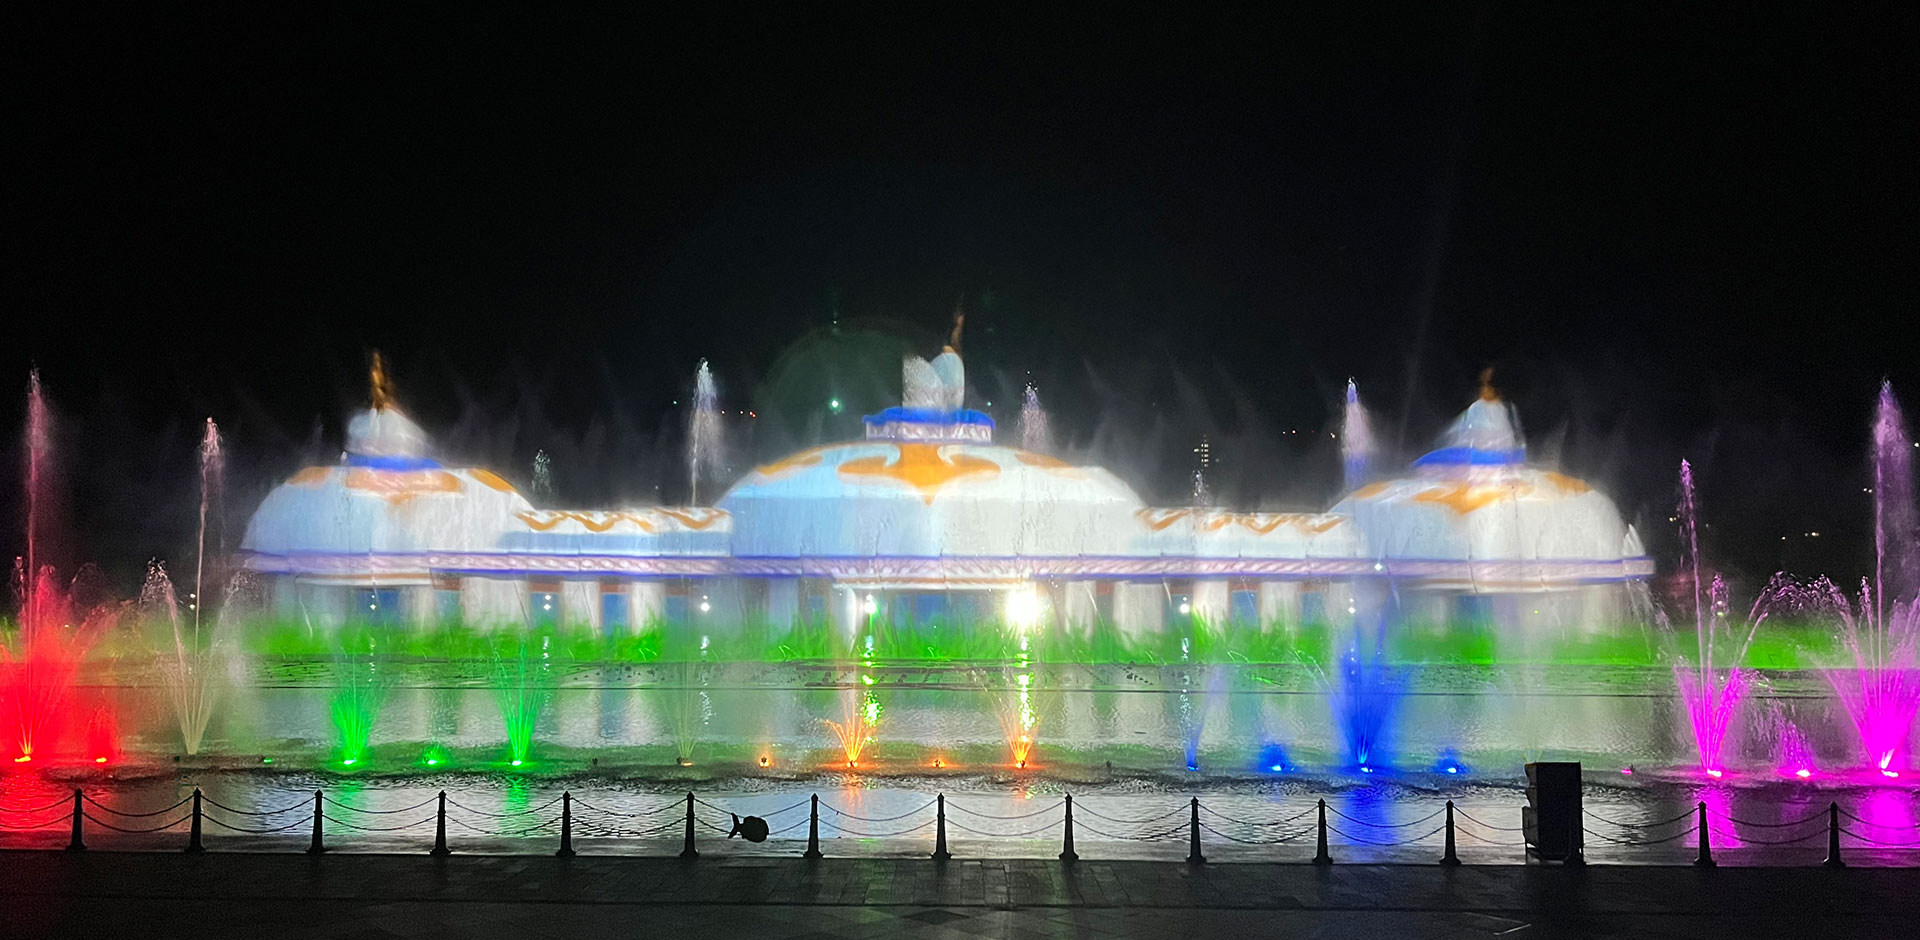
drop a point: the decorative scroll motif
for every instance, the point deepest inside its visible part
(399, 487)
(1464, 498)
(646, 520)
(694, 517)
(490, 480)
(545, 520)
(1566, 484)
(311, 476)
(925, 467)
(1053, 465)
(1258, 523)
(791, 464)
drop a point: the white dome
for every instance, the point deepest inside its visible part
(924, 500)
(357, 509)
(1515, 528)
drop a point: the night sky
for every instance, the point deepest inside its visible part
(1674, 235)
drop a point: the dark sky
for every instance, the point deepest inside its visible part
(1674, 234)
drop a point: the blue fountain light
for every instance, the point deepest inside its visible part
(1273, 759)
(1449, 763)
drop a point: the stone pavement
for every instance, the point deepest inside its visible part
(362, 897)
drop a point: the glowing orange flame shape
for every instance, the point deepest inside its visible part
(921, 466)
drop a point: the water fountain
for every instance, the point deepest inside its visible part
(1036, 432)
(1356, 439)
(704, 433)
(1714, 682)
(522, 682)
(56, 627)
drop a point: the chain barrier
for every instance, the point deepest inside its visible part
(1044, 809)
(305, 805)
(358, 828)
(1635, 825)
(695, 814)
(330, 801)
(883, 819)
(1398, 825)
(1819, 816)
(160, 828)
(516, 813)
(125, 815)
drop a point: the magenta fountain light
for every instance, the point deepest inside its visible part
(1713, 682)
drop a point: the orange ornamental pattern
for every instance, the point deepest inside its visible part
(398, 487)
(924, 467)
(646, 520)
(1258, 523)
(790, 465)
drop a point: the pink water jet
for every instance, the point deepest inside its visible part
(1715, 682)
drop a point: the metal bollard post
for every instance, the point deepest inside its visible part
(316, 846)
(1705, 858)
(566, 825)
(1193, 835)
(1833, 837)
(1320, 855)
(687, 850)
(440, 828)
(1067, 854)
(1449, 858)
(940, 853)
(193, 834)
(813, 829)
(77, 843)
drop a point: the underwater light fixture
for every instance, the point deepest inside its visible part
(1715, 772)
(347, 761)
(1365, 769)
(23, 758)
(939, 764)
(766, 761)
(1889, 774)
(1803, 773)
(1186, 608)
(1627, 771)
(433, 761)
(1453, 768)
(266, 760)
(100, 760)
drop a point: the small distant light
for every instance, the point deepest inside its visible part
(1453, 768)
(705, 607)
(1277, 768)
(1803, 773)
(1192, 766)
(1365, 769)
(939, 764)
(266, 760)
(348, 761)
(23, 758)
(1018, 764)
(766, 761)
(1186, 608)
(99, 760)
(852, 764)
(1890, 774)
(516, 762)
(1714, 772)
(433, 761)
(1627, 770)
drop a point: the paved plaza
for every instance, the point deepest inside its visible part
(367, 896)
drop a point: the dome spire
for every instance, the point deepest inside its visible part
(381, 383)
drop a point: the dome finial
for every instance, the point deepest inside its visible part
(959, 320)
(1487, 392)
(382, 384)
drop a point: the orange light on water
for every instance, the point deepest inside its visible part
(766, 761)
